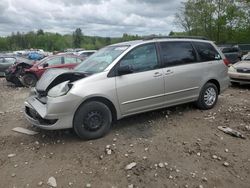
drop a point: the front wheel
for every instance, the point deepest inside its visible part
(208, 96)
(29, 80)
(92, 120)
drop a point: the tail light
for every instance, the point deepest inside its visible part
(226, 62)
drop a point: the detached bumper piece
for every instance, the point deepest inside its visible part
(35, 116)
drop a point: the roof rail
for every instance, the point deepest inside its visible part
(175, 37)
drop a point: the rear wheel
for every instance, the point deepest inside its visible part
(92, 120)
(29, 80)
(208, 96)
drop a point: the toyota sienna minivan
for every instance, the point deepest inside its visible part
(126, 79)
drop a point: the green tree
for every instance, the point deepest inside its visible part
(77, 38)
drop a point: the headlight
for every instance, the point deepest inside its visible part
(232, 69)
(59, 90)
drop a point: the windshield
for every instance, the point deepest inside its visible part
(100, 60)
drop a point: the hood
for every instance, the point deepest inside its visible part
(54, 77)
(242, 64)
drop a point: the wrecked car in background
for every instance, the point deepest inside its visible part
(28, 73)
(126, 79)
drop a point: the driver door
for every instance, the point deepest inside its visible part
(143, 88)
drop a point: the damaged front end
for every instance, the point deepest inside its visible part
(57, 80)
(49, 106)
(15, 72)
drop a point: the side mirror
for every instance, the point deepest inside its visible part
(45, 65)
(122, 70)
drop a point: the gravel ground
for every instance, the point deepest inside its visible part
(175, 147)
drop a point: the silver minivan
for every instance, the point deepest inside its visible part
(125, 79)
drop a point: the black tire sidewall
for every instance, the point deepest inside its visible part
(83, 110)
(201, 102)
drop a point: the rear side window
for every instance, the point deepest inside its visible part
(206, 51)
(69, 60)
(177, 53)
(55, 61)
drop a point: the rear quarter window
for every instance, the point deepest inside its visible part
(206, 51)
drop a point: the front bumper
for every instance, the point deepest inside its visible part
(243, 78)
(57, 113)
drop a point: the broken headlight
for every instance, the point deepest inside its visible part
(60, 89)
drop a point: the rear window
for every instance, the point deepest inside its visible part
(206, 51)
(177, 53)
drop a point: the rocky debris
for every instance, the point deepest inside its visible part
(226, 150)
(247, 127)
(215, 157)
(198, 154)
(108, 151)
(131, 186)
(13, 175)
(88, 185)
(193, 174)
(231, 132)
(24, 131)
(52, 182)
(70, 183)
(130, 166)
(161, 165)
(40, 183)
(11, 155)
(226, 164)
(204, 179)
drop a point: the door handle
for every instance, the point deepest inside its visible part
(169, 72)
(157, 74)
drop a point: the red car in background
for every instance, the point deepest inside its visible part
(28, 74)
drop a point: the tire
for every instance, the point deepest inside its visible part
(29, 80)
(92, 120)
(208, 97)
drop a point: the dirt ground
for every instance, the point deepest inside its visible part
(175, 147)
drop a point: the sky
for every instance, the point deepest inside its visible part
(108, 18)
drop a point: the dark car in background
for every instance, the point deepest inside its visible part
(232, 53)
(29, 73)
(5, 63)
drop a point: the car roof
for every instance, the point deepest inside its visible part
(138, 42)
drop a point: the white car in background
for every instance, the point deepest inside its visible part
(239, 73)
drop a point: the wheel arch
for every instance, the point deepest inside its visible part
(104, 100)
(216, 83)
